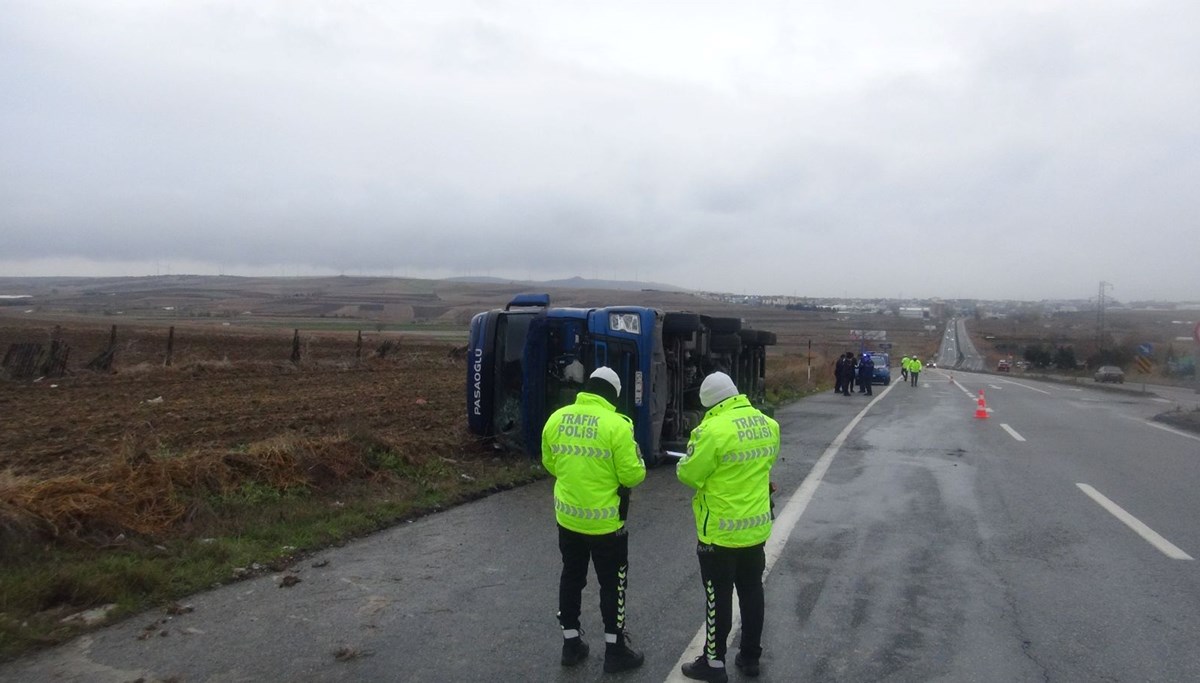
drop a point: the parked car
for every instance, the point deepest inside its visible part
(1003, 366)
(1110, 373)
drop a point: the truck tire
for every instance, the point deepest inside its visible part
(724, 325)
(681, 323)
(749, 337)
(767, 338)
(725, 343)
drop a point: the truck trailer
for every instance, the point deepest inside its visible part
(528, 359)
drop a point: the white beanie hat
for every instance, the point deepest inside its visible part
(716, 388)
(608, 375)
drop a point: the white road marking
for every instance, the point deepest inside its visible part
(995, 387)
(1172, 430)
(1163, 545)
(781, 530)
(1008, 381)
(1012, 432)
(1162, 400)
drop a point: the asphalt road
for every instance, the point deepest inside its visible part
(947, 356)
(916, 542)
(957, 350)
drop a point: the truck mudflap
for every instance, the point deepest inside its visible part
(480, 369)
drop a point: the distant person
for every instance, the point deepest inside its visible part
(588, 447)
(839, 374)
(866, 373)
(904, 369)
(914, 370)
(728, 463)
(847, 373)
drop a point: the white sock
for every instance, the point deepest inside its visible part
(569, 633)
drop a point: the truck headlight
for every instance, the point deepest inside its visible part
(625, 322)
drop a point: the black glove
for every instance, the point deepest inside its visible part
(623, 506)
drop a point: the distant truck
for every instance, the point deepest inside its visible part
(529, 359)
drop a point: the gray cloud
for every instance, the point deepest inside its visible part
(935, 149)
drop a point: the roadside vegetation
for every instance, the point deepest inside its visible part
(151, 527)
(157, 521)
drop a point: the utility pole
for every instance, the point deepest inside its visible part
(1100, 314)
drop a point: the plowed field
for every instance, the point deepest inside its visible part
(224, 390)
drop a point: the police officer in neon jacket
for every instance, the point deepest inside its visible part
(590, 450)
(728, 463)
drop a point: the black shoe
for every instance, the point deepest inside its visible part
(574, 651)
(746, 665)
(700, 670)
(619, 656)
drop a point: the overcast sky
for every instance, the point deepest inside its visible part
(1007, 149)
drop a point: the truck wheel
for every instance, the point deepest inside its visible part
(725, 343)
(681, 323)
(766, 338)
(724, 325)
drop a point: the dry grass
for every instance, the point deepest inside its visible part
(143, 495)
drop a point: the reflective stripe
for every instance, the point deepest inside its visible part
(710, 621)
(743, 456)
(585, 513)
(747, 523)
(585, 451)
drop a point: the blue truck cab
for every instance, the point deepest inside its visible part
(529, 359)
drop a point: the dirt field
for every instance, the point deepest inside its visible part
(223, 391)
(231, 382)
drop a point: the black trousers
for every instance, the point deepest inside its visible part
(913, 376)
(609, 554)
(723, 569)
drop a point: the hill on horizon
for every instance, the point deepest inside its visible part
(575, 282)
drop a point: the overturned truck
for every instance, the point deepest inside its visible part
(528, 359)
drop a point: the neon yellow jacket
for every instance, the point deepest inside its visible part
(589, 448)
(729, 460)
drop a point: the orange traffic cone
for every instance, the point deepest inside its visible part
(981, 411)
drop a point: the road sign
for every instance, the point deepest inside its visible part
(1145, 349)
(1143, 365)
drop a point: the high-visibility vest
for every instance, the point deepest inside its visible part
(590, 450)
(729, 460)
